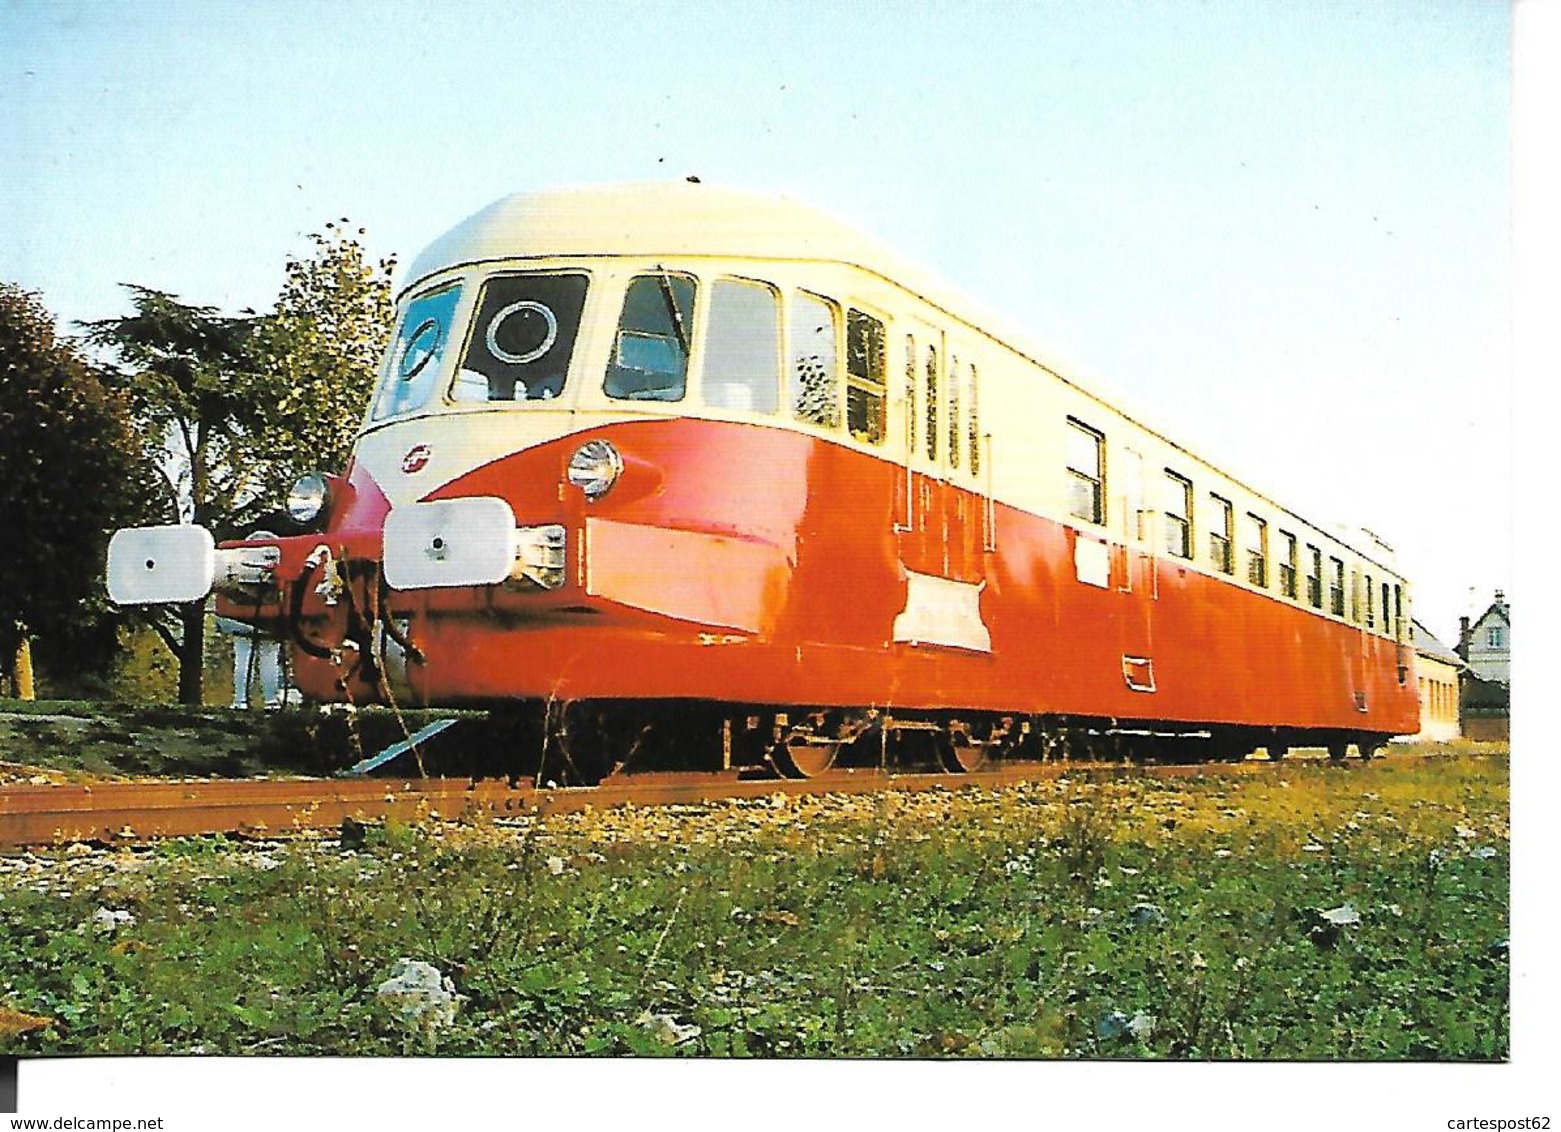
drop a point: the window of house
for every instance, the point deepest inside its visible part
(1336, 586)
(973, 416)
(1314, 576)
(1287, 564)
(1495, 637)
(742, 347)
(867, 379)
(1178, 515)
(650, 352)
(1257, 550)
(1086, 472)
(815, 395)
(1221, 534)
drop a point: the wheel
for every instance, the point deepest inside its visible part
(960, 754)
(800, 755)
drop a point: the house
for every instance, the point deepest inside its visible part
(1437, 670)
(1487, 644)
(1485, 692)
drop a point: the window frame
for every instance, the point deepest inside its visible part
(1290, 567)
(1222, 535)
(1257, 557)
(1181, 523)
(864, 384)
(1336, 586)
(1097, 481)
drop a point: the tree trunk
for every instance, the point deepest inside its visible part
(192, 652)
(23, 670)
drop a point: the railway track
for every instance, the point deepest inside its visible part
(130, 812)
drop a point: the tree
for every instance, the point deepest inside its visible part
(318, 359)
(71, 470)
(245, 404)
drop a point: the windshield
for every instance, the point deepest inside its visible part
(520, 342)
(416, 353)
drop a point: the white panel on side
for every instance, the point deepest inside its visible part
(157, 565)
(1092, 562)
(940, 611)
(450, 542)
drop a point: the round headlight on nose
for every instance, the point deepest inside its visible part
(595, 467)
(309, 498)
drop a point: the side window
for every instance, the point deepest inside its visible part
(1398, 612)
(1178, 515)
(1086, 472)
(1287, 564)
(742, 347)
(867, 377)
(1336, 587)
(974, 416)
(1220, 535)
(954, 437)
(1387, 617)
(814, 365)
(521, 340)
(1314, 577)
(1371, 605)
(420, 342)
(910, 394)
(650, 352)
(932, 404)
(1257, 550)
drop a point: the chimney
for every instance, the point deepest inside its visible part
(1463, 638)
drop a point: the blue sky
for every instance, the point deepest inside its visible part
(1277, 230)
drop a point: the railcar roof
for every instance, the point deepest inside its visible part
(678, 219)
(659, 219)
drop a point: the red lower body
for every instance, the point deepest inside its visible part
(762, 566)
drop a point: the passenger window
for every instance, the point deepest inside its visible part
(414, 357)
(910, 395)
(1178, 515)
(1314, 577)
(1086, 472)
(520, 342)
(813, 361)
(1257, 550)
(1336, 587)
(975, 426)
(742, 347)
(1220, 535)
(954, 437)
(650, 352)
(932, 404)
(866, 377)
(1287, 565)
(1371, 604)
(1387, 621)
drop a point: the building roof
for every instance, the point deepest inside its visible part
(1497, 610)
(1427, 645)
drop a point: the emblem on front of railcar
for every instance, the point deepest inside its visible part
(416, 459)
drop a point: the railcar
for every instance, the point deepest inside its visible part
(672, 460)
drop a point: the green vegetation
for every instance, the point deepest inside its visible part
(1306, 911)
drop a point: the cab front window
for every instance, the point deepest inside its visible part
(521, 339)
(417, 352)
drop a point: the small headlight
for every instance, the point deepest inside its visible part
(595, 467)
(307, 501)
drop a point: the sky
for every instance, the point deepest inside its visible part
(1276, 231)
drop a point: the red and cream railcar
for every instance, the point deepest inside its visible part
(674, 443)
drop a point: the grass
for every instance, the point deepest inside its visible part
(1312, 912)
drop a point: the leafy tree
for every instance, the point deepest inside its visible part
(245, 404)
(317, 359)
(72, 469)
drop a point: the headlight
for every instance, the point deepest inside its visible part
(308, 499)
(595, 467)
